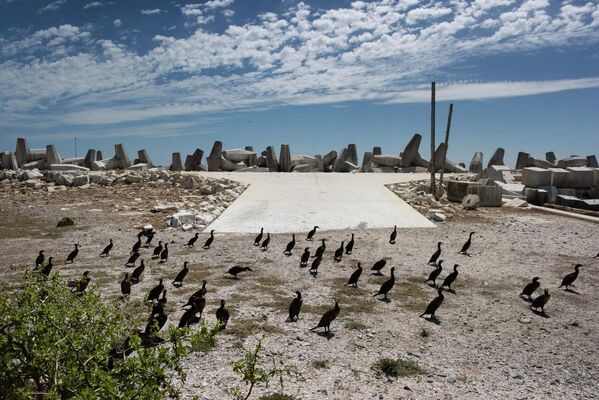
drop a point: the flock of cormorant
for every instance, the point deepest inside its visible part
(197, 301)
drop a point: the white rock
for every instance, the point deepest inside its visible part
(30, 174)
(440, 217)
(164, 207)
(186, 227)
(81, 180)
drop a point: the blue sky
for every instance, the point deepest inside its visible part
(169, 76)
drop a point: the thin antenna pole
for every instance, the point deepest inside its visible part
(75, 146)
(433, 138)
(446, 148)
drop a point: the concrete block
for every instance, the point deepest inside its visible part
(573, 161)
(319, 163)
(376, 151)
(440, 155)
(90, 157)
(52, 156)
(80, 180)
(194, 162)
(352, 154)
(559, 177)
(303, 159)
(21, 151)
(569, 201)
(490, 196)
(215, 158)
(38, 164)
(415, 170)
(237, 155)
(253, 169)
(261, 162)
(285, 158)
(144, 158)
(580, 177)
(271, 159)
(387, 160)
(510, 189)
(329, 159)
(551, 193)
(592, 161)
(73, 160)
(9, 161)
(367, 161)
(99, 155)
(595, 176)
(227, 165)
(304, 168)
(410, 153)
(501, 173)
(457, 190)
(536, 162)
(550, 156)
(538, 197)
(420, 162)
(566, 192)
(476, 165)
(250, 148)
(534, 177)
(176, 164)
(29, 174)
(590, 204)
(450, 166)
(522, 160)
(339, 165)
(68, 167)
(121, 155)
(252, 160)
(497, 158)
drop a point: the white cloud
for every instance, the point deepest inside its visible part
(93, 4)
(53, 6)
(379, 51)
(117, 22)
(152, 11)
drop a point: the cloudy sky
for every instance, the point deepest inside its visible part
(172, 76)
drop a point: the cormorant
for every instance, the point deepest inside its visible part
(259, 237)
(39, 261)
(393, 235)
(132, 259)
(311, 233)
(192, 241)
(48, 268)
(451, 277)
(378, 266)
(200, 292)
(294, 307)
(157, 319)
(328, 317)
(355, 276)
(264, 246)
(222, 315)
(178, 282)
(434, 304)
(238, 269)
(541, 301)
(320, 250)
(435, 273)
(597, 256)
(157, 250)
(350, 245)
(137, 273)
(466, 245)
(72, 254)
(530, 288)
(290, 245)
(106, 251)
(209, 241)
(305, 257)
(435, 255)
(387, 285)
(198, 302)
(571, 277)
(315, 265)
(126, 286)
(339, 253)
(78, 287)
(164, 253)
(189, 317)
(137, 244)
(155, 292)
(150, 236)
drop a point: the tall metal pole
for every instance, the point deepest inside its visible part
(75, 146)
(446, 147)
(433, 138)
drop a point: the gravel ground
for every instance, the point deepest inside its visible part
(488, 344)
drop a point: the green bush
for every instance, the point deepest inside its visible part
(55, 345)
(204, 339)
(396, 368)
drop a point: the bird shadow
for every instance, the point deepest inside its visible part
(263, 250)
(230, 277)
(465, 254)
(540, 313)
(377, 274)
(526, 299)
(433, 320)
(432, 285)
(571, 291)
(385, 300)
(329, 335)
(178, 285)
(450, 291)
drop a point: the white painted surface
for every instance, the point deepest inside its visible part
(295, 202)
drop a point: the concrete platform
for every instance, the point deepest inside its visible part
(296, 202)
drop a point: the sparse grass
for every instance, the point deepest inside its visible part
(248, 327)
(412, 295)
(204, 339)
(355, 325)
(396, 368)
(23, 226)
(266, 260)
(424, 333)
(387, 258)
(320, 364)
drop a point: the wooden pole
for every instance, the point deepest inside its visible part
(433, 138)
(447, 149)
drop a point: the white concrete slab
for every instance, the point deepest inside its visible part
(288, 202)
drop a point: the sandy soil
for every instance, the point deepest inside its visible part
(488, 344)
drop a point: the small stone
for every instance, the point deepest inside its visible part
(451, 378)
(65, 221)
(524, 320)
